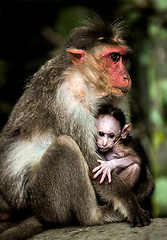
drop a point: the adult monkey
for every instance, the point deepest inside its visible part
(51, 132)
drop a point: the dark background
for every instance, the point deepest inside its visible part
(25, 44)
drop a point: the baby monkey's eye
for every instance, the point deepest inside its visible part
(101, 134)
(112, 135)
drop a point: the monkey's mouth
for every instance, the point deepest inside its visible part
(124, 90)
(103, 149)
(120, 91)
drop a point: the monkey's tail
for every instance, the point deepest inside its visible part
(23, 230)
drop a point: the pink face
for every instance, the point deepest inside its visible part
(114, 62)
(109, 130)
(113, 66)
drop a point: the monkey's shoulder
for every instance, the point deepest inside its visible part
(128, 141)
(130, 145)
(134, 145)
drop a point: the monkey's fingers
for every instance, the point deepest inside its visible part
(109, 176)
(103, 176)
(143, 220)
(96, 169)
(100, 161)
(139, 221)
(98, 172)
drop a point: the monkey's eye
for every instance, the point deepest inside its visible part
(115, 56)
(112, 135)
(101, 134)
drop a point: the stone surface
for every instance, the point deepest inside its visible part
(157, 230)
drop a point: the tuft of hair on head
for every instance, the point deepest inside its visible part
(114, 112)
(119, 116)
(105, 109)
(95, 32)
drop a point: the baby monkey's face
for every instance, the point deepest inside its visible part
(109, 130)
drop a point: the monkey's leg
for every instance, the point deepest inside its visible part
(60, 189)
(130, 175)
(23, 230)
(122, 198)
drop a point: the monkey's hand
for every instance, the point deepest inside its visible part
(140, 218)
(105, 167)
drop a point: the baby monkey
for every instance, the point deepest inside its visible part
(115, 144)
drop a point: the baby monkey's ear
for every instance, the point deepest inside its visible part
(126, 129)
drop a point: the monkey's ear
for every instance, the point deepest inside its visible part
(76, 55)
(126, 129)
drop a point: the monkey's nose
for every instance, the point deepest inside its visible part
(104, 143)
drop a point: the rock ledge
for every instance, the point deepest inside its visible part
(115, 231)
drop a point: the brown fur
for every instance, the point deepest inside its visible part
(52, 130)
(137, 176)
(126, 156)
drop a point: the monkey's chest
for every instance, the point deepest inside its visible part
(113, 155)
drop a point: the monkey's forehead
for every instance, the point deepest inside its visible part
(105, 49)
(94, 33)
(122, 50)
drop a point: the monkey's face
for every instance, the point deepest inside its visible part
(104, 68)
(114, 62)
(109, 130)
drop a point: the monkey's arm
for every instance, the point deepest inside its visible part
(118, 195)
(106, 167)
